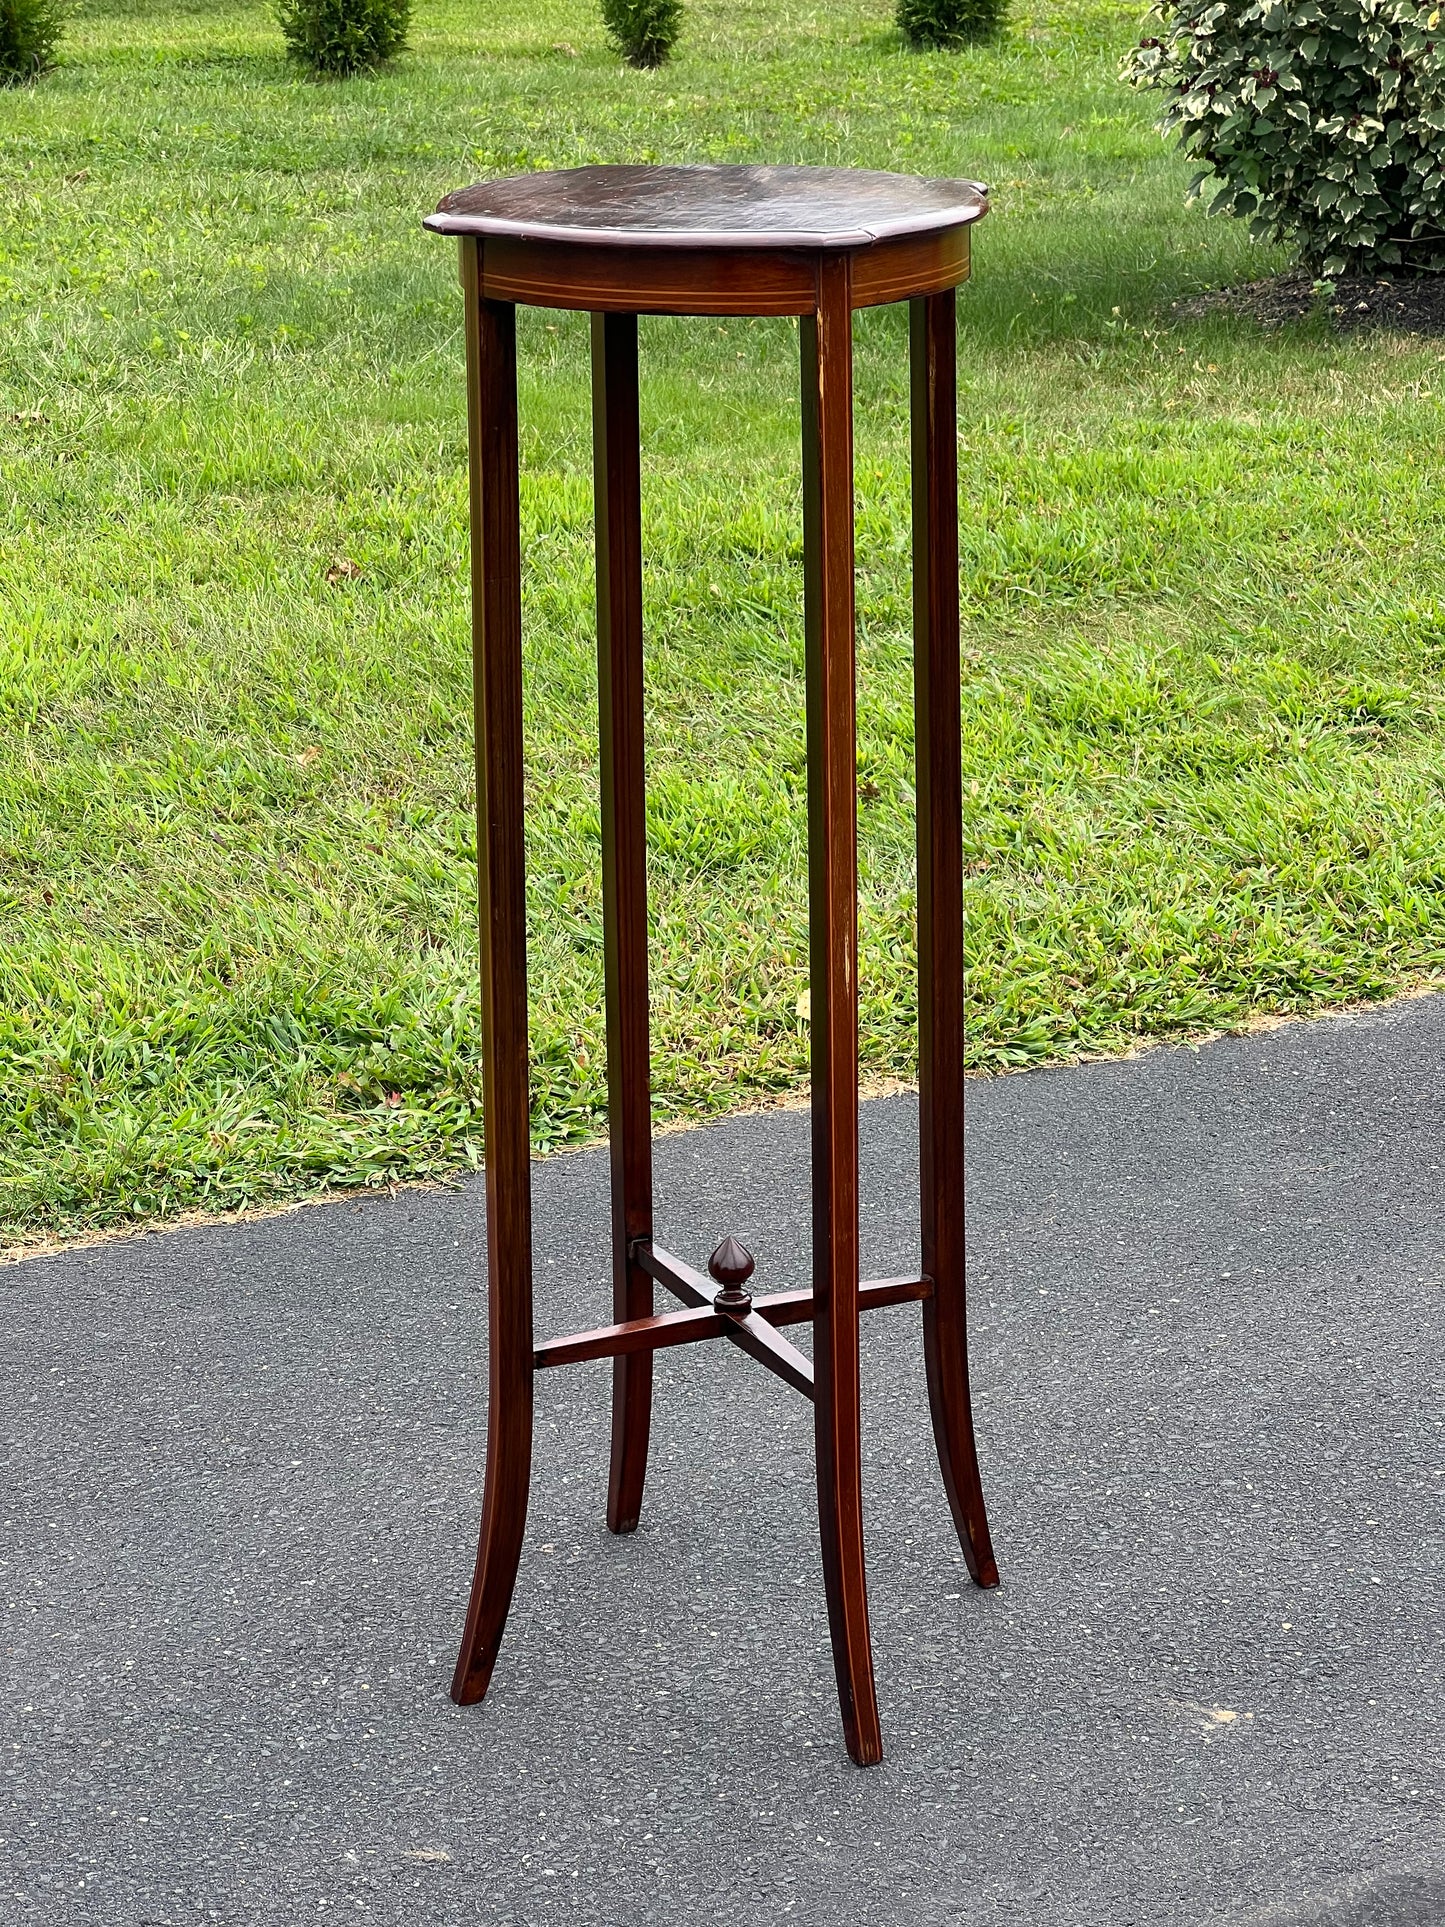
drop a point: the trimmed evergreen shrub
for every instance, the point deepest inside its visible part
(1320, 122)
(29, 31)
(340, 37)
(643, 31)
(949, 23)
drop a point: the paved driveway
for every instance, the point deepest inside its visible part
(243, 1477)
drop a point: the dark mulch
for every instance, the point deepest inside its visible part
(1414, 306)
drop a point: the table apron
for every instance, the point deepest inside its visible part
(712, 281)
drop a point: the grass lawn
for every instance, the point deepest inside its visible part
(1202, 584)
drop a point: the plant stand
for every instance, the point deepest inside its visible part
(816, 243)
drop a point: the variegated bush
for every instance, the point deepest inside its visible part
(1320, 122)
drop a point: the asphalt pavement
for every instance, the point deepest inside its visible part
(242, 1480)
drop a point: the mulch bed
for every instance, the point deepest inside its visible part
(1415, 306)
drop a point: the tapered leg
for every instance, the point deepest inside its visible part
(940, 915)
(624, 881)
(497, 697)
(833, 973)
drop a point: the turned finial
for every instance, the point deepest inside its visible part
(731, 1266)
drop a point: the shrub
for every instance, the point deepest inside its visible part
(29, 30)
(643, 31)
(344, 36)
(949, 23)
(1321, 121)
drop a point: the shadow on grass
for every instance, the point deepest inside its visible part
(1086, 298)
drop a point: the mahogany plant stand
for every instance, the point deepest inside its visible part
(816, 243)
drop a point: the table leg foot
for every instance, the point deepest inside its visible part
(840, 1520)
(499, 1550)
(631, 1423)
(945, 1359)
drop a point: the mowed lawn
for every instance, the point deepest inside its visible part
(1202, 583)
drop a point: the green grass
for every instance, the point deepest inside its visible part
(1201, 580)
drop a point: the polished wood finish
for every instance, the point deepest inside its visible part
(668, 1328)
(817, 243)
(827, 398)
(567, 274)
(712, 240)
(750, 1332)
(502, 896)
(708, 281)
(716, 207)
(920, 263)
(939, 784)
(730, 1267)
(632, 1336)
(618, 499)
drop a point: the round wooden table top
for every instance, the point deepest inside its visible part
(712, 239)
(711, 207)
